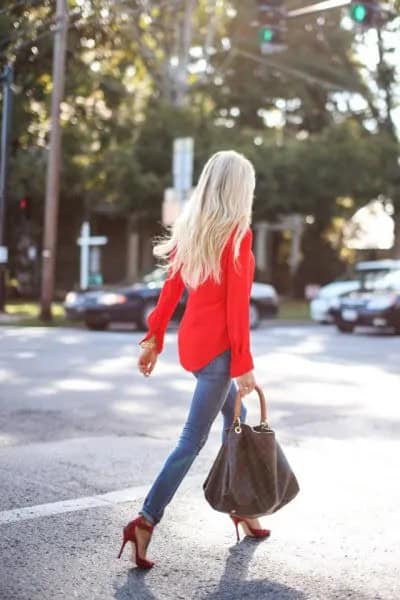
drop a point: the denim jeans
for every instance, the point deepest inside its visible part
(215, 391)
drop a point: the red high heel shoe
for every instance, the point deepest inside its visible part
(256, 533)
(129, 535)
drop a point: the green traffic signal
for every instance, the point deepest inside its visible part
(266, 34)
(358, 12)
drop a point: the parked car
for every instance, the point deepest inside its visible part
(370, 271)
(321, 306)
(378, 307)
(132, 304)
(324, 307)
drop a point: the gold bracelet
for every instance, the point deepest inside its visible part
(150, 343)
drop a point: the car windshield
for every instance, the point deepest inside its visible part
(390, 281)
(369, 279)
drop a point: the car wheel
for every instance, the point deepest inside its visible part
(146, 310)
(254, 316)
(96, 325)
(345, 327)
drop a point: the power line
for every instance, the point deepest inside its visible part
(289, 70)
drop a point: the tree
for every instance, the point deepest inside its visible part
(132, 86)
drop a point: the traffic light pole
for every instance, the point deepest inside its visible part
(7, 79)
(53, 163)
(330, 4)
(318, 7)
(272, 18)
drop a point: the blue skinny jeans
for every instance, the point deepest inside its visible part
(215, 391)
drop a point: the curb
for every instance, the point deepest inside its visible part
(291, 323)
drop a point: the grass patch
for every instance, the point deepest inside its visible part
(294, 309)
(26, 314)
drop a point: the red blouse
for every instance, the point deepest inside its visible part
(216, 315)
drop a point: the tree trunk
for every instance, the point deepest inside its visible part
(396, 245)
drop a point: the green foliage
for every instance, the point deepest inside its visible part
(122, 107)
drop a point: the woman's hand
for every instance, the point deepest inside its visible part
(246, 383)
(147, 361)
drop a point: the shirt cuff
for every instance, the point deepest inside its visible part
(241, 363)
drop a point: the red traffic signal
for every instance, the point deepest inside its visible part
(25, 207)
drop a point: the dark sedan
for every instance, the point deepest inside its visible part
(379, 308)
(132, 304)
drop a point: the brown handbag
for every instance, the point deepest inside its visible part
(250, 475)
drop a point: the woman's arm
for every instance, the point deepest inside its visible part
(239, 282)
(160, 316)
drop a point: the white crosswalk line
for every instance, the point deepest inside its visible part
(76, 504)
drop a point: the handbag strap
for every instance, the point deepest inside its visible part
(263, 406)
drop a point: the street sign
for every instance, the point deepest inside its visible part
(171, 207)
(95, 240)
(182, 165)
(32, 253)
(3, 255)
(85, 241)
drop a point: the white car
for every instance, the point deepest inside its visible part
(328, 298)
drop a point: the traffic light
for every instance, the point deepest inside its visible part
(272, 25)
(358, 12)
(25, 207)
(369, 13)
(267, 34)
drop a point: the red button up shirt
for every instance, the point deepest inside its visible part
(216, 316)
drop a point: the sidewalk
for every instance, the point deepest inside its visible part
(6, 319)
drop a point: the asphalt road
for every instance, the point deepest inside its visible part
(82, 434)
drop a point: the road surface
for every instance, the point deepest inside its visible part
(82, 434)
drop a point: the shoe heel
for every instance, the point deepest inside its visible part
(237, 532)
(248, 530)
(122, 548)
(128, 535)
(236, 524)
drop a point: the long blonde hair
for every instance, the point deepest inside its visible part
(221, 202)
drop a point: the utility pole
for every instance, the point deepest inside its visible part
(185, 43)
(53, 163)
(7, 79)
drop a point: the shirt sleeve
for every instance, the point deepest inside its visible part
(239, 282)
(158, 319)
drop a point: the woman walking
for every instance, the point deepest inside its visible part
(209, 253)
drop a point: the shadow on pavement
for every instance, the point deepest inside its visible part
(135, 587)
(233, 584)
